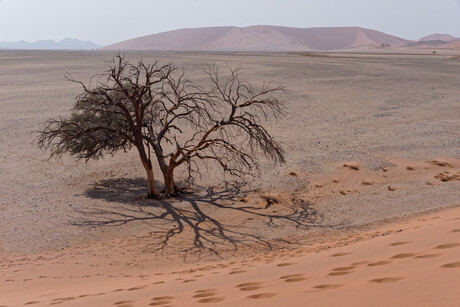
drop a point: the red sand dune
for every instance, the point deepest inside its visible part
(438, 36)
(259, 38)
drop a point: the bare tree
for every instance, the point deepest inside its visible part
(110, 116)
(157, 109)
(226, 122)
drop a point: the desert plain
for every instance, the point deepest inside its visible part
(364, 212)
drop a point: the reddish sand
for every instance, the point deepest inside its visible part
(413, 263)
(410, 262)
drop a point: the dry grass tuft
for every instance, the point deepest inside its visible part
(293, 174)
(365, 182)
(410, 168)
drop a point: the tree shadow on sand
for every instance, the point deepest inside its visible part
(207, 213)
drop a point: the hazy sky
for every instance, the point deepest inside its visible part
(106, 22)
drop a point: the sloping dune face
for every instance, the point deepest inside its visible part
(438, 36)
(259, 38)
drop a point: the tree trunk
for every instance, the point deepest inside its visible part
(147, 163)
(170, 185)
(153, 192)
(168, 172)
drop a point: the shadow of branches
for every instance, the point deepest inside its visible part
(214, 217)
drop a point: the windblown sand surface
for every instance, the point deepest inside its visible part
(414, 263)
(371, 140)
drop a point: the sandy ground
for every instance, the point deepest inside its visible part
(414, 263)
(370, 141)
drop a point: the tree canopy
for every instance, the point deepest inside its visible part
(163, 114)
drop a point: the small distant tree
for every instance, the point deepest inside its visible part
(156, 109)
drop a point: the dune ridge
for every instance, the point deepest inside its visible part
(259, 38)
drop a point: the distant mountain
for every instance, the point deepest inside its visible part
(65, 44)
(260, 38)
(438, 37)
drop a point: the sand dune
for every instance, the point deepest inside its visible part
(259, 38)
(438, 36)
(378, 268)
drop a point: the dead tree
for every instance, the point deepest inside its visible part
(222, 125)
(110, 116)
(157, 109)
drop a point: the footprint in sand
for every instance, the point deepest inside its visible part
(399, 243)
(328, 287)
(284, 264)
(205, 293)
(344, 268)
(448, 245)
(31, 303)
(249, 286)
(377, 263)
(207, 296)
(340, 273)
(360, 262)
(123, 304)
(456, 230)
(386, 280)
(261, 296)
(427, 256)
(340, 254)
(84, 295)
(189, 280)
(402, 256)
(211, 300)
(237, 272)
(161, 300)
(159, 303)
(453, 265)
(64, 299)
(293, 278)
(137, 288)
